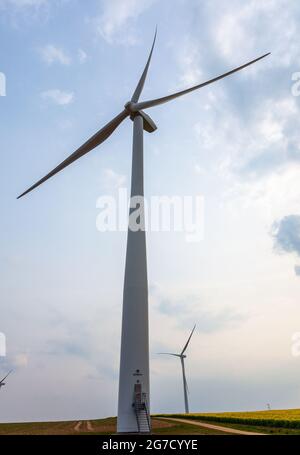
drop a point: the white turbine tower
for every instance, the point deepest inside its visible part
(182, 357)
(2, 383)
(134, 398)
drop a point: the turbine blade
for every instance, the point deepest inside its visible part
(168, 353)
(165, 99)
(89, 145)
(6, 376)
(187, 343)
(140, 86)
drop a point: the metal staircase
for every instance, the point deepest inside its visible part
(141, 412)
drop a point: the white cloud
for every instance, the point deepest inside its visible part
(26, 12)
(270, 140)
(272, 197)
(58, 97)
(51, 54)
(240, 25)
(198, 169)
(82, 56)
(113, 180)
(188, 57)
(113, 23)
(193, 310)
(255, 159)
(23, 3)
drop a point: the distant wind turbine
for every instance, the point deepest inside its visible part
(134, 399)
(182, 356)
(2, 383)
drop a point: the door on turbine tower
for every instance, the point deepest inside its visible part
(138, 393)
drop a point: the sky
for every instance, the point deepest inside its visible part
(70, 66)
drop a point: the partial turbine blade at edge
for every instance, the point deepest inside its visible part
(189, 339)
(89, 145)
(165, 99)
(6, 376)
(140, 86)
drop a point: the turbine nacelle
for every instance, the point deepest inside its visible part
(148, 123)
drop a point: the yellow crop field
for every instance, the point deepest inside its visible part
(285, 418)
(289, 414)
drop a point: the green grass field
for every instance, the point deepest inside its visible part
(97, 427)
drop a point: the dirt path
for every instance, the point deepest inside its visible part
(213, 427)
(89, 426)
(77, 426)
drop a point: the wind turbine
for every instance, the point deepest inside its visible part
(134, 399)
(182, 356)
(2, 383)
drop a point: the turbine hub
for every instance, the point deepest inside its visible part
(129, 107)
(148, 123)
